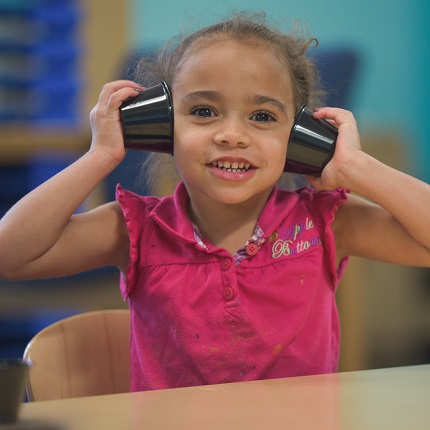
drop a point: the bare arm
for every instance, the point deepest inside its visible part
(40, 236)
(392, 223)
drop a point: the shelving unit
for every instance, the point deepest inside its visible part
(89, 40)
(55, 56)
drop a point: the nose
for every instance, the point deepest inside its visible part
(232, 132)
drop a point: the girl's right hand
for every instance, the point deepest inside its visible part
(105, 121)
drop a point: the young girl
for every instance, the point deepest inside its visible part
(231, 278)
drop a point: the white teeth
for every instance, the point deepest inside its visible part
(234, 166)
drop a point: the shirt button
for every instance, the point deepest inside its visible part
(251, 249)
(225, 264)
(228, 293)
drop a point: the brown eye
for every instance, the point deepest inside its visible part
(264, 117)
(204, 112)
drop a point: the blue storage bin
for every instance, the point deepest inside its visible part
(13, 182)
(54, 100)
(40, 53)
(16, 330)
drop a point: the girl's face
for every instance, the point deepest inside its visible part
(234, 111)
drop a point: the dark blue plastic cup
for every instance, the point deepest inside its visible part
(147, 120)
(311, 145)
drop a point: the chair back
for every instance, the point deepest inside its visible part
(83, 355)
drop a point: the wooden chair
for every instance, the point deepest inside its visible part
(83, 355)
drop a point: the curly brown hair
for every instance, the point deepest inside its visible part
(246, 27)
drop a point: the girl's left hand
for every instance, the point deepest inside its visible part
(335, 172)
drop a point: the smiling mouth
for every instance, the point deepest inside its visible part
(232, 167)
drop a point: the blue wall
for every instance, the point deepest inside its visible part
(391, 36)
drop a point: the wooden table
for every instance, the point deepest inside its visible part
(391, 399)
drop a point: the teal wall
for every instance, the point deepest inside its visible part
(391, 36)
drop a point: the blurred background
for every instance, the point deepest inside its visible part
(55, 55)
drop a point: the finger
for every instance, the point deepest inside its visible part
(328, 110)
(338, 116)
(118, 97)
(108, 106)
(111, 87)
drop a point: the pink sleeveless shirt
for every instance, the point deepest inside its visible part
(199, 318)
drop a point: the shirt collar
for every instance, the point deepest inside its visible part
(171, 213)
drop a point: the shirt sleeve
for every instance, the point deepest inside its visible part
(131, 206)
(327, 204)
